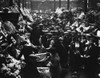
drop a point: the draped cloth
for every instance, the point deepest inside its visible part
(9, 27)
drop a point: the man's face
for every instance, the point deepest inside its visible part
(98, 5)
(13, 40)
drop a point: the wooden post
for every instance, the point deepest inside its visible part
(24, 3)
(19, 3)
(59, 3)
(31, 4)
(54, 5)
(68, 4)
(85, 6)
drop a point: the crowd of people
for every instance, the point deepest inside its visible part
(71, 38)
